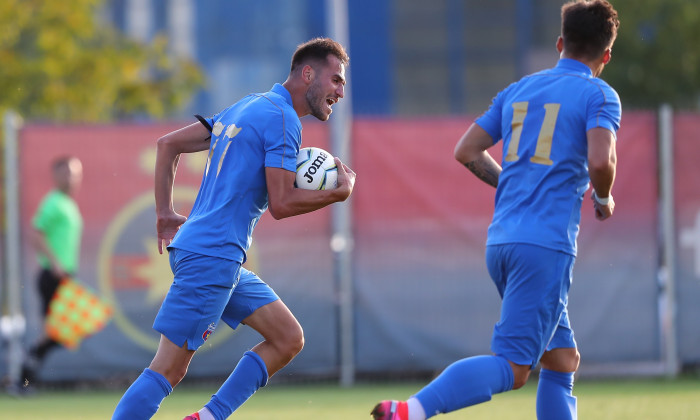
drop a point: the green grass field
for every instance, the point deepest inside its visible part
(598, 400)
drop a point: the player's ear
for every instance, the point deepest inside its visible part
(607, 55)
(307, 74)
(560, 44)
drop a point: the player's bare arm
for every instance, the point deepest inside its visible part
(193, 138)
(602, 162)
(38, 241)
(286, 200)
(471, 151)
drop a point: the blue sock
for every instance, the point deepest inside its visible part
(466, 382)
(249, 375)
(143, 398)
(554, 398)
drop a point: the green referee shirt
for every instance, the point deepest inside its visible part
(58, 217)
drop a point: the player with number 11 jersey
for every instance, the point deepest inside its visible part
(558, 128)
(545, 173)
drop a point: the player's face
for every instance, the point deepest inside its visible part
(326, 89)
(69, 177)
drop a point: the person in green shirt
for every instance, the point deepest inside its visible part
(55, 236)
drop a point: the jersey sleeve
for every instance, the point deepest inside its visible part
(604, 110)
(208, 122)
(282, 142)
(491, 120)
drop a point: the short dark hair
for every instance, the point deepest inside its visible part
(588, 27)
(62, 162)
(318, 50)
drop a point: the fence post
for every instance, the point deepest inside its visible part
(341, 216)
(667, 265)
(12, 322)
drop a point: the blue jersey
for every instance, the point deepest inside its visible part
(261, 130)
(543, 120)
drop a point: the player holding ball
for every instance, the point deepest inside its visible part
(253, 148)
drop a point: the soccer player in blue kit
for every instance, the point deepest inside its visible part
(558, 128)
(251, 167)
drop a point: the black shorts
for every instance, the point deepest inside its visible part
(48, 284)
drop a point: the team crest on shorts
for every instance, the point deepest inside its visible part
(210, 329)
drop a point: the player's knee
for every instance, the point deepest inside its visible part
(295, 341)
(520, 379)
(178, 375)
(291, 342)
(561, 360)
(572, 360)
(174, 374)
(520, 375)
(575, 361)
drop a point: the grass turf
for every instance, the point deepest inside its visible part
(599, 400)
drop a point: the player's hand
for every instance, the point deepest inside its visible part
(602, 212)
(58, 271)
(346, 178)
(167, 226)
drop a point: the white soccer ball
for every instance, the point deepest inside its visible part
(316, 169)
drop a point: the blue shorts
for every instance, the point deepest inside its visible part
(205, 290)
(534, 284)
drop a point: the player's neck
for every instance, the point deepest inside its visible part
(596, 66)
(298, 94)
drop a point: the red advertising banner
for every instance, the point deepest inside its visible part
(419, 224)
(420, 230)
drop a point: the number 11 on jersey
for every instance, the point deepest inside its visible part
(543, 148)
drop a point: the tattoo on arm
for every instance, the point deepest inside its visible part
(484, 171)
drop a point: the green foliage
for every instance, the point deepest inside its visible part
(656, 58)
(61, 63)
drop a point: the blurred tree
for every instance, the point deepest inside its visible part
(61, 63)
(656, 58)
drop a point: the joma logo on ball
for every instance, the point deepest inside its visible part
(314, 167)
